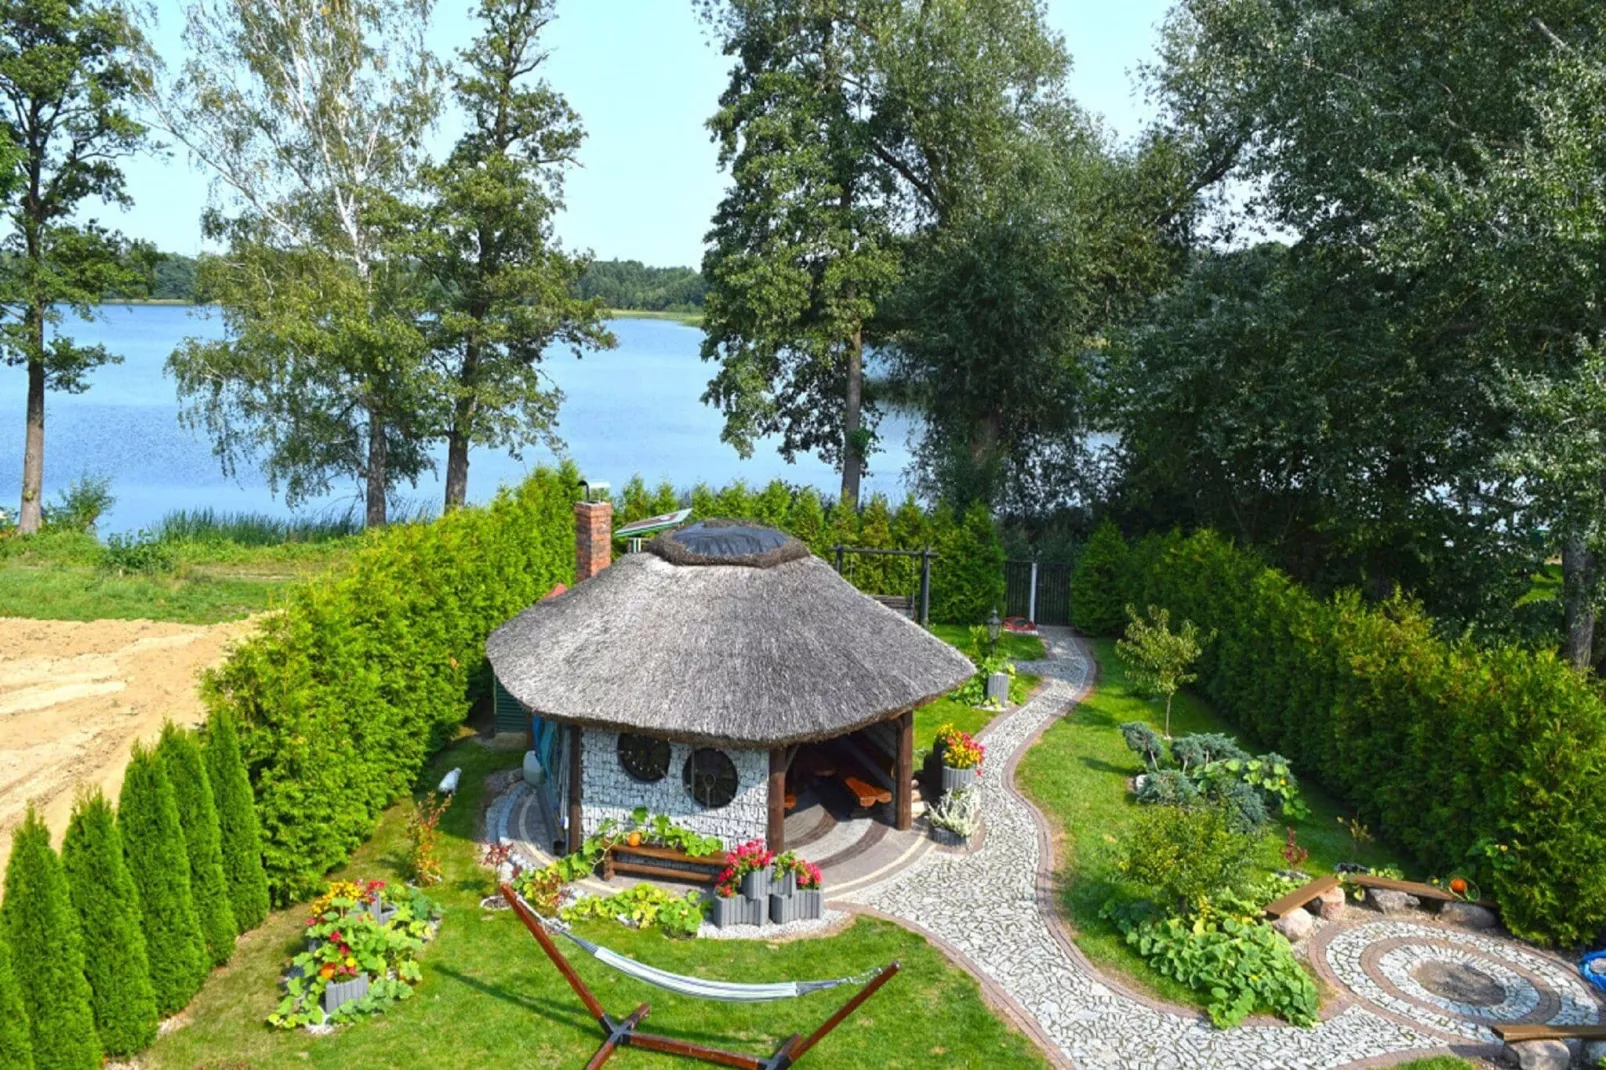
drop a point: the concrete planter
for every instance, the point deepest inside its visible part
(805, 904)
(783, 884)
(737, 910)
(380, 911)
(756, 884)
(956, 779)
(339, 993)
(998, 688)
(947, 837)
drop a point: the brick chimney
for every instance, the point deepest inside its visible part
(593, 538)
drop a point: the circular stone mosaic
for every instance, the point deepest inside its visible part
(1452, 982)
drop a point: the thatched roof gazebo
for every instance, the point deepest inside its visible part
(721, 648)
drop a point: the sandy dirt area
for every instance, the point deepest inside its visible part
(74, 696)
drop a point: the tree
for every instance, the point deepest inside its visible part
(311, 115)
(159, 862)
(197, 816)
(1158, 660)
(66, 75)
(239, 830)
(1098, 583)
(16, 1050)
(503, 289)
(42, 933)
(967, 581)
(107, 908)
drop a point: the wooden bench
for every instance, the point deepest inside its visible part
(1296, 899)
(898, 603)
(867, 794)
(1421, 891)
(1516, 1034)
(664, 863)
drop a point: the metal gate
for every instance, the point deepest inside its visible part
(1038, 591)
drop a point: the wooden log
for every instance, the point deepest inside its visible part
(1296, 899)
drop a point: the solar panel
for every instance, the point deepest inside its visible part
(652, 524)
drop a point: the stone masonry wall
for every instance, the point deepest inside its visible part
(608, 791)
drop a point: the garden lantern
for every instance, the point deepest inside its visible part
(994, 627)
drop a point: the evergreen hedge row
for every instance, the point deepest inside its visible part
(16, 1050)
(1474, 759)
(341, 698)
(197, 816)
(238, 831)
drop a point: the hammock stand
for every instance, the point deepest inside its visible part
(624, 1033)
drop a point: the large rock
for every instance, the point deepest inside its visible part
(1296, 925)
(1329, 905)
(1386, 901)
(1468, 915)
(1539, 1055)
(1594, 1052)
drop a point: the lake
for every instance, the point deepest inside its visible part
(633, 409)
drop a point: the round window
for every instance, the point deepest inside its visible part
(710, 778)
(646, 759)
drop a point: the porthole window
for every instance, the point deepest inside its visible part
(710, 778)
(646, 759)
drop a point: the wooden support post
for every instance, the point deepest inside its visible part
(925, 587)
(798, 1051)
(904, 772)
(775, 830)
(577, 830)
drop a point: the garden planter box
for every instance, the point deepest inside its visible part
(662, 863)
(947, 837)
(737, 910)
(805, 904)
(784, 884)
(339, 993)
(756, 884)
(955, 779)
(381, 912)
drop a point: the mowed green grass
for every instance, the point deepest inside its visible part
(489, 996)
(1077, 776)
(964, 717)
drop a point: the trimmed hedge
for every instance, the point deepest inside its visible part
(1480, 760)
(1098, 604)
(107, 907)
(369, 670)
(238, 830)
(16, 1050)
(197, 815)
(48, 952)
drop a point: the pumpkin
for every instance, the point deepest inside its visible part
(635, 839)
(1458, 885)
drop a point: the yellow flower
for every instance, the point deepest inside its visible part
(350, 961)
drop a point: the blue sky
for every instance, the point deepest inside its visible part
(644, 77)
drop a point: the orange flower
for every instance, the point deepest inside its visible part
(327, 972)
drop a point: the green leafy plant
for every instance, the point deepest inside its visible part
(1178, 856)
(1144, 742)
(80, 505)
(644, 907)
(1098, 583)
(1158, 660)
(1269, 774)
(141, 554)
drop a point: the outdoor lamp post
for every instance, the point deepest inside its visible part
(994, 626)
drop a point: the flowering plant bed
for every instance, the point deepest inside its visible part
(958, 749)
(354, 964)
(747, 868)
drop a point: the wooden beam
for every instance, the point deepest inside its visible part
(904, 772)
(577, 830)
(775, 829)
(1296, 899)
(1517, 1034)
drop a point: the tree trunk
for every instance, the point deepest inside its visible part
(852, 458)
(1578, 604)
(376, 471)
(457, 438)
(33, 453)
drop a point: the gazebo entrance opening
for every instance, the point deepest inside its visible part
(865, 773)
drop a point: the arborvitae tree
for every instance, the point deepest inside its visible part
(1098, 590)
(842, 529)
(107, 906)
(44, 940)
(704, 503)
(807, 521)
(967, 583)
(666, 499)
(877, 573)
(153, 843)
(772, 504)
(16, 1050)
(910, 531)
(735, 501)
(237, 822)
(197, 814)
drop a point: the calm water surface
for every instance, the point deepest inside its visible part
(632, 409)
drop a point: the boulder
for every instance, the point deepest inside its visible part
(1385, 901)
(1468, 915)
(1296, 925)
(1594, 1052)
(1328, 905)
(1539, 1055)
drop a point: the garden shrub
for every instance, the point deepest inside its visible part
(1482, 760)
(1194, 752)
(1143, 741)
(967, 581)
(141, 554)
(16, 1050)
(197, 816)
(1245, 809)
(1168, 787)
(239, 834)
(107, 908)
(341, 698)
(159, 862)
(1178, 856)
(47, 952)
(1098, 584)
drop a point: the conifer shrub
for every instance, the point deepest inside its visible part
(1098, 597)
(239, 833)
(16, 1050)
(47, 949)
(107, 907)
(159, 862)
(967, 581)
(197, 815)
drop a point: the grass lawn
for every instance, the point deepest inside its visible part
(1437, 1062)
(1077, 776)
(489, 997)
(57, 577)
(965, 717)
(690, 319)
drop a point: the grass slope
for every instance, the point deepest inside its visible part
(967, 718)
(489, 997)
(1077, 776)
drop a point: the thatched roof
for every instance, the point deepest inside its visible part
(778, 651)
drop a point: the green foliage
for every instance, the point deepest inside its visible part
(107, 908)
(1098, 601)
(1449, 749)
(159, 863)
(341, 698)
(1143, 741)
(197, 816)
(239, 833)
(47, 947)
(140, 555)
(1194, 752)
(1180, 856)
(973, 692)
(644, 907)
(1168, 787)
(1157, 659)
(254, 529)
(631, 285)
(80, 505)
(967, 582)
(16, 1049)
